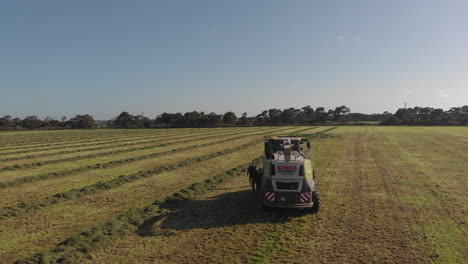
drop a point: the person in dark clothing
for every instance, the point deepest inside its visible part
(254, 177)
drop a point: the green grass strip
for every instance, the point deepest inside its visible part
(41, 141)
(270, 244)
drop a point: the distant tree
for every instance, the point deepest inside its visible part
(144, 121)
(464, 115)
(340, 113)
(31, 122)
(262, 118)
(165, 119)
(320, 115)
(6, 122)
(329, 117)
(274, 116)
(194, 119)
(244, 121)
(437, 117)
(126, 120)
(229, 118)
(430, 116)
(288, 116)
(214, 119)
(17, 122)
(391, 121)
(82, 122)
(309, 114)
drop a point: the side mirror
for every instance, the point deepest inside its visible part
(308, 144)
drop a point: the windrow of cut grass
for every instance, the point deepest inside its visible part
(98, 142)
(104, 151)
(36, 190)
(8, 212)
(101, 141)
(64, 169)
(37, 138)
(225, 215)
(115, 199)
(328, 129)
(78, 247)
(108, 145)
(16, 178)
(75, 248)
(102, 135)
(221, 225)
(169, 163)
(59, 222)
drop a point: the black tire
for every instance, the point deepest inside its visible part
(260, 201)
(316, 199)
(265, 208)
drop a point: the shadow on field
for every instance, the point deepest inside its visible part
(227, 209)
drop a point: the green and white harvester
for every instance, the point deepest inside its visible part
(287, 179)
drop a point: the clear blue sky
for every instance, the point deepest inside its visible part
(103, 57)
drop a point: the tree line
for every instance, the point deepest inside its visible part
(35, 123)
(272, 117)
(427, 116)
(306, 115)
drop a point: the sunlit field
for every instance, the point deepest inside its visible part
(388, 194)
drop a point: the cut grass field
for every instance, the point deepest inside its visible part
(389, 195)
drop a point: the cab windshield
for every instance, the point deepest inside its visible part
(278, 146)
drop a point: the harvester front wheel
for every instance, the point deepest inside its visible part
(265, 208)
(316, 199)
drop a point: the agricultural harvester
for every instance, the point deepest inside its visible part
(287, 178)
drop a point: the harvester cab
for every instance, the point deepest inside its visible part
(287, 178)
